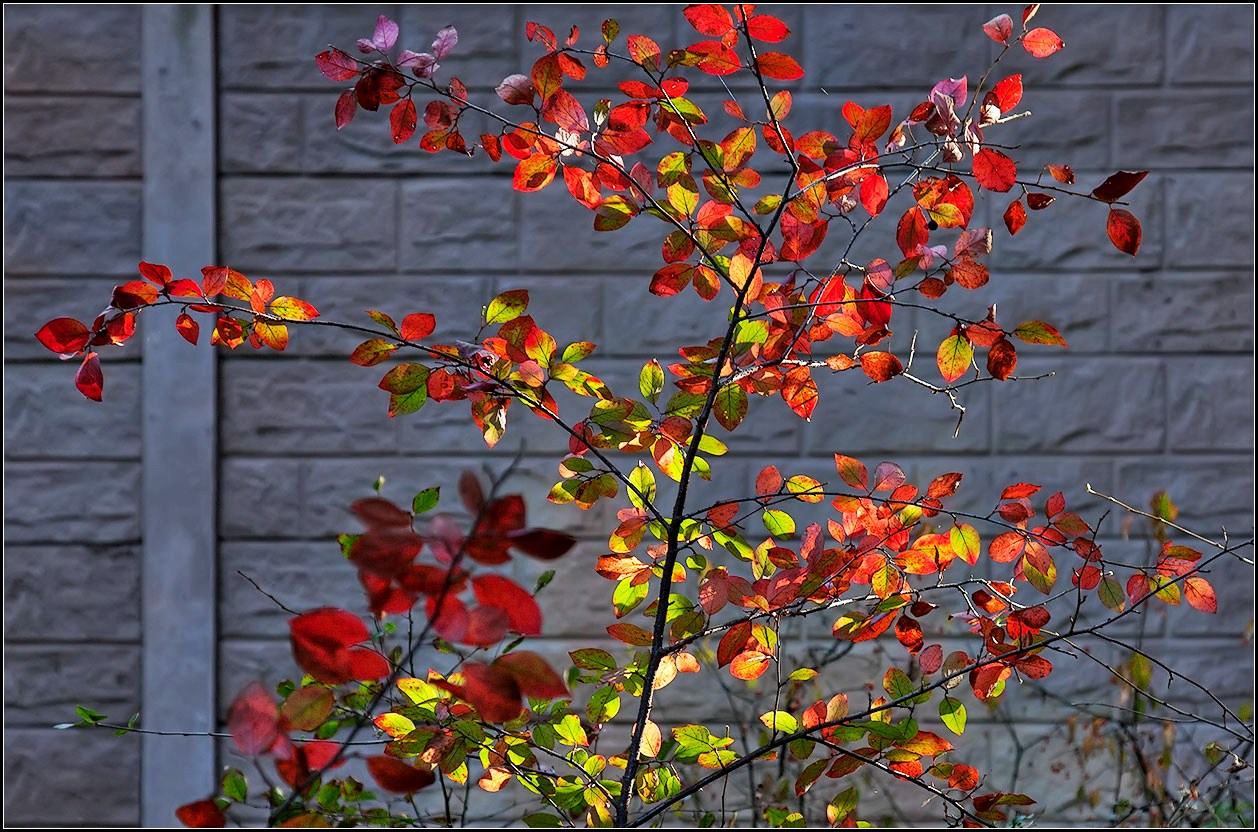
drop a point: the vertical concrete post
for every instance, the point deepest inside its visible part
(179, 396)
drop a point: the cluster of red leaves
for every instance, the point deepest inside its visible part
(69, 337)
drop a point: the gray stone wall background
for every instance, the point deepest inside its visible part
(1156, 391)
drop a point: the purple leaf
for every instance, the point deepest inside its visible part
(385, 35)
(445, 42)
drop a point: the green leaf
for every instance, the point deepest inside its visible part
(952, 712)
(651, 380)
(507, 307)
(603, 706)
(897, 683)
(1111, 594)
(542, 820)
(780, 721)
(426, 500)
(593, 658)
(730, 406)
(643, 480)
(569, 730)
(235, 786)
(780, 524)
(628, 596)
(89, 716)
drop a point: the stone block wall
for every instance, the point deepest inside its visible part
(1156, 391)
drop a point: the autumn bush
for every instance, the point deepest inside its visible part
(759, 217)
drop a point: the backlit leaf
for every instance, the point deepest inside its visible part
(1041, 42)
(1124, 231)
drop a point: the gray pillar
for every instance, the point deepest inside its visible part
(179, 395)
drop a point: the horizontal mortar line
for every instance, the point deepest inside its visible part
(50, 361)
(19, 641)
(43, 95)
(74, 179)
(375, 175)
(74, 458)
(419, 455)
(77, 542)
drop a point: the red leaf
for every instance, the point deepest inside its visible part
(534, 172)
(1201, 595)
(486, 626)
(470, 491)
(377, 513)
(1124, 231)
(799, 391)
(1119, 185)
(545, 544)
(201, 814)
(964, 778)
(931, 659)
(418, 326)
(994, 170)
(779, 67)
(1062, 173)
(346, 107)
(881, 366)
(715, 58)
(630, 634)
(563, 109)
(254, 720)
(492, 691)
(1041, 42)
(999, 28)
(532, 674)
(1038, 201)
(337, 65)
(522, 612)
(1007, 93)
(1002, 359)
(1019, 490)
(1015, 216)
(394, 775)
(748, 665)
(767, 28)
(402, 120)
(64, 335)
(370, 353)
(874, 193)
(911, 231)
(187, 327)
(321, 640)
(709, 18)
(89, 378)
(644, 51)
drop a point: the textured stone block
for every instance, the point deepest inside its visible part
(866, 47)
(453, 225)
(97, 49)
(70, 227)
(275, 46)
(1210, 43)
(308, 225)
(260, 498)
(1210, 220)
(98, 782)
(1077, 304)
(45, 682)
(1233, 586)
(1152, 313)
(1089, 405)
(301, 576)
(73, 593)
(72, 502)
(1210, 491)
(366, 145)
(1186, 129)
(49, 418)
(1105, 45)
(1070, 236)
(1209, 409)
(455, 302)
(88, 137)
(261, 132)
(855, 416)
(557, 235)
(1065, 127)
(29, 302)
